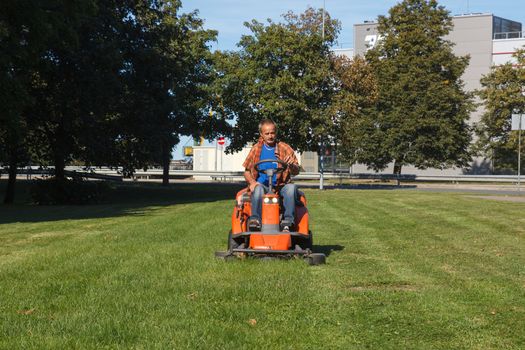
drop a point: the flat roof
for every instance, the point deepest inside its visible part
(461, 15)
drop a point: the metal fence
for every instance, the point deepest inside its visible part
(114, 174)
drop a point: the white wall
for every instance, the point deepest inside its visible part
(502, 50)
(204, 158)
(208, 158)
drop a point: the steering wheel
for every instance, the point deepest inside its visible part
(277, 170)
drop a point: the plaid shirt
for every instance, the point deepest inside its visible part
(282, 150)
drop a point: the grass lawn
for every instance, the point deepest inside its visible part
(405, 270)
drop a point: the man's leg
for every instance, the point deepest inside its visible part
(256, 202)
(289, 195)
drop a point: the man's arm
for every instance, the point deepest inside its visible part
(252, 183)
(248, 164)
(293, 164)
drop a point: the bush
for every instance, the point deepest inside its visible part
(69, 191)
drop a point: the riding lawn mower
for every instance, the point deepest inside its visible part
(269, 240)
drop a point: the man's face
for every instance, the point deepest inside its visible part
(268, 134)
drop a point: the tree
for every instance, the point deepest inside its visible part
(502, 94)
(167, 67)
(422, 111)
(75, 85)
(25, 29)
(282, 71)
(357, 91)
(123, 86)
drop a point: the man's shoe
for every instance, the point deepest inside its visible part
(254, 224)
(286, 225)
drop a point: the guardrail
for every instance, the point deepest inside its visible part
(115, 175)
(413, 177)
(508, 35)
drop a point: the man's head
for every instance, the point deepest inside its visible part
(268, 131)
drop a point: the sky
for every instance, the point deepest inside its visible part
(228, 16)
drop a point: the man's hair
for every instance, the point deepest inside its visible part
(266, 122)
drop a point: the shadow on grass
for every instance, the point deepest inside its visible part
(123, 199)
(327, 249)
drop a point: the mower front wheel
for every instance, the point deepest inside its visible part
(226, 256)
(316, 259)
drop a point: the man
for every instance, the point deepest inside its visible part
(269, 148)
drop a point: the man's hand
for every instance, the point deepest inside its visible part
(253, 185)
(289, 160)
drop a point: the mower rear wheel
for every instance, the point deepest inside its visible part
(309, 241)
(232, 244)
(316, 259)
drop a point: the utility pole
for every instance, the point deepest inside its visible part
(321, 168)
(324, 3)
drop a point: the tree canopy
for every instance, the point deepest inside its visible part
(100, 82)
(421, 115)
(502, 94)
(281, 71)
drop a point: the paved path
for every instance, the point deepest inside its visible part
(519, 199)
(431, 187)
(474, 188)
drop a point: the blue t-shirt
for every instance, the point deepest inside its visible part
(267, 153)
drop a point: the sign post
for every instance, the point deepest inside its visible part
(518, 122)
(221, 142)
(216, 146)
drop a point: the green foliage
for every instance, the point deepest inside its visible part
(282, 71)
(26, 29)
(357, 90)
(422, 112)
(69, 191)
(502, 94)
(73, 84)
(101, 82)
(166, 69)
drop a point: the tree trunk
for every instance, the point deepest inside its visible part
(397, 167)
(10, 190)
(60, 149)
(166, 159)
(397, 170)
(60, 166)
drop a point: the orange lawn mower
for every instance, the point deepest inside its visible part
(269, 241)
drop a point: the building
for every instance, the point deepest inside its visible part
(488, 39)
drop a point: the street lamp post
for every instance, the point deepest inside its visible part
(321, 165)
(519, 153)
